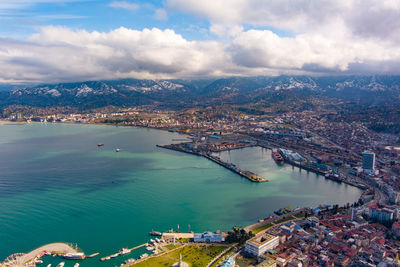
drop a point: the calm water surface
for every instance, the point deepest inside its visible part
(57, 185)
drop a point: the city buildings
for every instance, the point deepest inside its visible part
(207, 237)
(369, 162)
(257, 246)
(381, 213)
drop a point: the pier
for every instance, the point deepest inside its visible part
(232, 167)
(53, 248)
(119, 253)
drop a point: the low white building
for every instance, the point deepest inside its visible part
(257, 246)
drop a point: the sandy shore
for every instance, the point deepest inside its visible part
(4, 122)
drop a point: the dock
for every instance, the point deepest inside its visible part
(232, 167)
(118, 253)
(177, 235)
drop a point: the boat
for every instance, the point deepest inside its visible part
(107, 258)
(277, 157)
(334, 177)
(283, 211)
(38, 261)
(76, 265)
(145, 255)
(150, 248)
(117, 150)
(130, 261)
(49, 265)
(100, 145)
(61, 264)
(124, 251)
(74, 256)
(154, 233)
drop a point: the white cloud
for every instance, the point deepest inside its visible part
(160, 14)
(325, 36)
(124, 5)
(18, 4)
(366, 18)
(61, 54)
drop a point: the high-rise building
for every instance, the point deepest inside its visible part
(369, 162)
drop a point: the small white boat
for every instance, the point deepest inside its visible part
(124, 251)
(61, 264)
(150, 248)
(49, 265)
(117, 150)
(38, 261)
(129, 261)
(76, 265)
(145, 255)
(107, 258)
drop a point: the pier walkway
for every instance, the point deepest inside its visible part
(53, 248)
(232, 167)
(119, 253)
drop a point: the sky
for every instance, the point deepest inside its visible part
(78, 40)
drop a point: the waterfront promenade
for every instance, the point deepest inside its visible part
(53, 248)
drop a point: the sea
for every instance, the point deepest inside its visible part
(58, 185)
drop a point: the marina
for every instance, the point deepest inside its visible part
(123, 251)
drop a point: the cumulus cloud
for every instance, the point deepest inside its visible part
(61, 54)
(329, 36)
(366, 18)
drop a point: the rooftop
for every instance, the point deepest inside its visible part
(258, 241)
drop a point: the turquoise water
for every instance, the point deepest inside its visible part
(56, 185)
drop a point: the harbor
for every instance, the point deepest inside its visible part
(123, 252)
(230, 166)
(109, 196)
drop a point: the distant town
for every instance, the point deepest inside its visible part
(364, 233)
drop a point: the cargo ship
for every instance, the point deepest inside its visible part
(334, 177)
(277, 157)
(154, 233)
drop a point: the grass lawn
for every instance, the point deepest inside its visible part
(284, 220)
(171, 247)
(194, 255)
(259, 229)
(300, 215)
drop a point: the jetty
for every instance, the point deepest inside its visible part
(53, 248)
(230, 166)
(119, 253)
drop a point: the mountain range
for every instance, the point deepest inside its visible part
(369, 90)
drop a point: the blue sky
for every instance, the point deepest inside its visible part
(75, 40)
(22, 20)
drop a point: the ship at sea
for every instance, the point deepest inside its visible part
(154, 233)
(277, 157)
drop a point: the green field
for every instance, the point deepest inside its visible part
(284, 220)
(194, 255)
(300, 215)
(259, 229)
